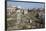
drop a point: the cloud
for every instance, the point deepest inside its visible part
(19, 6)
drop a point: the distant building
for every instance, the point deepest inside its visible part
(25, 11)
(11, 9)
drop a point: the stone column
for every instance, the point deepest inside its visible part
(18, 17)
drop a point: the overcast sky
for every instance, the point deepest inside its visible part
(25, 5)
